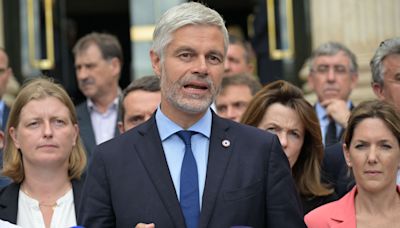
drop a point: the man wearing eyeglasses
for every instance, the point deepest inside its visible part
(333, 75)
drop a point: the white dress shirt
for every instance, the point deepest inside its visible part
(30, 216)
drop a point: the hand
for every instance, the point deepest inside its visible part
(144, 225)
(337, 109)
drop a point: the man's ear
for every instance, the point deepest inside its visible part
(310, 81)
(378, 90)
(116, 66)
(354, 80)
(121, 127)
(155, 62)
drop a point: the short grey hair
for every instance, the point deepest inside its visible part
(386, 48)
(107, 43)
(190, 13)
(147, 83)
(241, 79)
(248, 49)
(332, 48)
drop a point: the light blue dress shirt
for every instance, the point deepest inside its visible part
(2, 104)
(324, 120)
(103, 123)
(174, 147)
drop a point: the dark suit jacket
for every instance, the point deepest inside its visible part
(247, 183)
(9, 200)
(86, 128)
(6, 112)
(4, 180)
(335, 171)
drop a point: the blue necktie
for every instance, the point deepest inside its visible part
(331, 137)
(189, 192)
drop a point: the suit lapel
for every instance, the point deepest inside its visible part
(152, 156)
(344, 214)
(218, 159)
(85, 127)
(9, 203)
(76, 190)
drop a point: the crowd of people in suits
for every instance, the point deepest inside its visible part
(201, 143)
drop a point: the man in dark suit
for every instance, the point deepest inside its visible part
(333, 75)
(98, 62)
(187, 167)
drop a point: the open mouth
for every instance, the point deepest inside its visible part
(196, 86)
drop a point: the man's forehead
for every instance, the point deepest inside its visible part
(335, 58)
(392, 60)
(140, 94)
(175, 37)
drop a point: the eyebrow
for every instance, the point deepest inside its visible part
(184, 48)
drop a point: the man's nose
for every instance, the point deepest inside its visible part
(201, 66)
(232, 114)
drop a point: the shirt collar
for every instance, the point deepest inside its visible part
(167, 127)
(2, 104)
(113, 105)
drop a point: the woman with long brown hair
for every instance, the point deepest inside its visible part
(280, 108)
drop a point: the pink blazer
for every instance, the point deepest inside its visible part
(337, 214)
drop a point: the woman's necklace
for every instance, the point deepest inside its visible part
(52, 206)
(42, 204)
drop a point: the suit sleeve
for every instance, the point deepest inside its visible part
(96, 206)
(283, 203)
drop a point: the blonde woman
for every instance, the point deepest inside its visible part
(44, 158)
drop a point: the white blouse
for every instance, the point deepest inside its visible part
(30, 216)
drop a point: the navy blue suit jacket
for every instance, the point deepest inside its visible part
(6, 112)
(247, 183)
(335, 171)
(4, 180)
(9, 200)
(86, 128)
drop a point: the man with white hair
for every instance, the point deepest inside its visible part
(185, 166)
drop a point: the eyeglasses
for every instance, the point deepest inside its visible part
(337, 69)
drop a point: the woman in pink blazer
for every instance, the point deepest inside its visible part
(372, 152)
